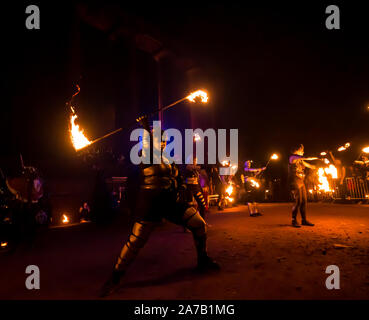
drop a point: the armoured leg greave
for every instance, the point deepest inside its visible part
(196, 224)
(139, 235)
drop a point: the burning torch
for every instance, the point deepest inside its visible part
(274, 156)
(80, 141)
(345, 147)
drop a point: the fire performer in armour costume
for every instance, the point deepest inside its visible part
(296, 176)
(159, 193)
(192, 176)
(251, 185)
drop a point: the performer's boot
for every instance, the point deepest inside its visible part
(304, 221)
(295, 223)
(294, 217)
(139, 235)
(307, 223)
(112, 283)
(204, 262)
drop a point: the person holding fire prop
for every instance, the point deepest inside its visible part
(251, 185)
(160, 193)
(296, 175)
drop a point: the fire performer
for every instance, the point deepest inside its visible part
(341, 174)
(251, 186)
(160, 198)
(192, 175)
(296, 175)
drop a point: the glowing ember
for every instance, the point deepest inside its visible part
(4, 244)
(77, 136)
(274, 156)
(326, 161)
(199, 93)
(323, 153)
(366, 150)
(65, 219)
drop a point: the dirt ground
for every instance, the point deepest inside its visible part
(261, 258)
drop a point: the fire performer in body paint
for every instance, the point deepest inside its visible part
(251, 186)
(296, 175)
(160, 190)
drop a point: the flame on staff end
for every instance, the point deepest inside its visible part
(225, 163)
(65, 219)
(323, 153)
(274, 156)
(79, 140)
(199, 93)
(4, 244)
(365, 150)
(197, 137)
(343, 148)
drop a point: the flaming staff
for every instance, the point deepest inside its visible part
(345, 147)
(274, 156)
(78, 138)
(364, 150)
(80, 142)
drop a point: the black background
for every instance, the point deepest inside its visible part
(273, 71)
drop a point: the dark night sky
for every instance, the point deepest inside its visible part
(274, 72)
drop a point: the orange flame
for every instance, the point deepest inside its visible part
(274, 156)
(65, 219)
(323, 181)
(225, 163)
(254, 183)
(323, 178)
(77, 136)
(366, 150)
(3, 244)
(197, 137)
(343, 148)
(199, 93)
(229, 192)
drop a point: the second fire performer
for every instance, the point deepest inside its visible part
(296, 175)
(251, 186)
